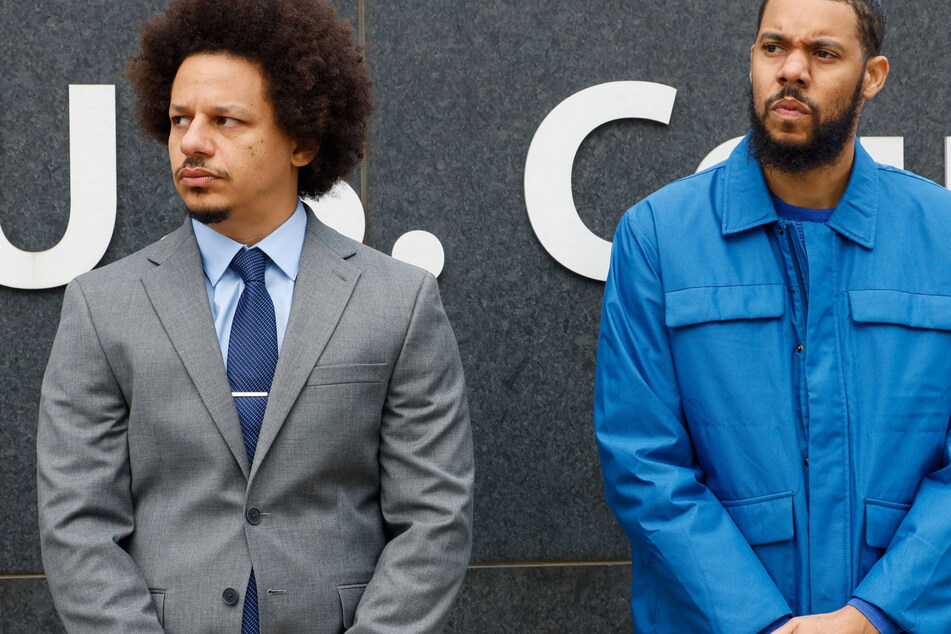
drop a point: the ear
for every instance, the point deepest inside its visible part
(752, 50)
(876, 71)
(302, 157)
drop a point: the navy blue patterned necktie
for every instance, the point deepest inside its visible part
(252, 356)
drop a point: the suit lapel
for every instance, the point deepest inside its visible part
(176, 288)
(324, 284)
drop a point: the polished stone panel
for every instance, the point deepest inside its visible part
(555, 599)
(462, 88)
(27, 608)
(461, 95)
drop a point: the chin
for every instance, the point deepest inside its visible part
(790, 138)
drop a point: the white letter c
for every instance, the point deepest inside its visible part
(551, 156)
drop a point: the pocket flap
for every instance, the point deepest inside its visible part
(348, 373)
(764, 520)
(881, 521)
(158, 601)
(898, 307)
(350, 595)
(724, 303)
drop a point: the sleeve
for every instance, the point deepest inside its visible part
(775, 626)
(426, 480)
(702, 568)
(876, 617)
(84, 485)
(910, 581)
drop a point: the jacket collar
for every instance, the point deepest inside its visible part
(747, 204)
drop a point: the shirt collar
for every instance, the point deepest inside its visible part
(747, 202)
(283, 246)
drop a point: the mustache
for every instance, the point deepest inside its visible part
(791, 91)
(197, 161)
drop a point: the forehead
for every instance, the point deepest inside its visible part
(811, 20)
(219, 76)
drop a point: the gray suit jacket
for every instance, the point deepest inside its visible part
(362, 476)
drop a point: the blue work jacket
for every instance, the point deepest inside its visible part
(774, 448)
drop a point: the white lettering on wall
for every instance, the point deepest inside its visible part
(341, 209)
(548, 195)
(551, 156)
(92, 191)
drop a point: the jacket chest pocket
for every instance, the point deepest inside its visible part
(900, 355)
(729, 350)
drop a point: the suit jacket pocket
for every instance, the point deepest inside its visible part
(350, 595)
(348, 373)
(158, 600)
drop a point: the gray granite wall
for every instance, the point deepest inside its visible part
(461, 89)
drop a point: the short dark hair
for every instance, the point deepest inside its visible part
(872, 21)
(315, 73)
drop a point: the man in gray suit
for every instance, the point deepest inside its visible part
(280, 446)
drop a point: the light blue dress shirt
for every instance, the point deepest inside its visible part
(224, 286)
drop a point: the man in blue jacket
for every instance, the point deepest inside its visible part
(774, 366)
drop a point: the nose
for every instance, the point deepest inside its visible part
(795, 69)
(196, 140)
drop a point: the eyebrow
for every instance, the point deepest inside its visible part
(224, 110)
(819, 43)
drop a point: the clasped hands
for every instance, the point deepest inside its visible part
(848, 620)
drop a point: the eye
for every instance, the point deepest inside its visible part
(179, 121)
(771, 48)
(228, 122)
(824, 54)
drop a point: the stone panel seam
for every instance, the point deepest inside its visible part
(364, 162)
(487, 565)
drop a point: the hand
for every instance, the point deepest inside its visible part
(848, 620)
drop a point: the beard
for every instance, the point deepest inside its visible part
(823, 147)
(209, 215)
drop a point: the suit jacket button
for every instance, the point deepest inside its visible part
(230, 596)
(253, 516)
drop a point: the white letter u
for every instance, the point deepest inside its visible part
(92, 190)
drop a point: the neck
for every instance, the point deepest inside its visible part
(249, 228)
(819, 188)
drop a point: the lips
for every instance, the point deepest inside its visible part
(790, 108)
(196, 177)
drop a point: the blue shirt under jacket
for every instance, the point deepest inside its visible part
(770, 451)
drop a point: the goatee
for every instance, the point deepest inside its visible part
(209, 216)
(823, 148)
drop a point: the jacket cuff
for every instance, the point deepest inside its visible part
(876, 617)
(775, 626)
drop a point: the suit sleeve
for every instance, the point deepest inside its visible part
(426, 480)
(911, 581)
(704, 569)
(84, 485)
